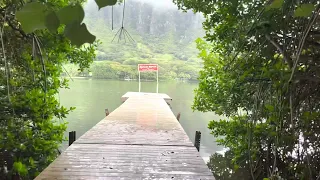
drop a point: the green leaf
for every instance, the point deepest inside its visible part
(31, 161)
(304, 10)
(269, 107)
(203, 53)
(17, 166)
(276, 4)
(52, 22)
(103, 3)
(266, 179)
(71, 14)
(78, 34)
(273, 133)
(22, 147)
(32, 17)
(20, 168)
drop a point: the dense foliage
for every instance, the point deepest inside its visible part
(171, 70)
(161, 36)
(261, 69)
(31, 117)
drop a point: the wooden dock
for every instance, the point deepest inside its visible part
(141, 139)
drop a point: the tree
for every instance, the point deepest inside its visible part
(261, 70)
(31, 117)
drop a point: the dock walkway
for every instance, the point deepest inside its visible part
(141, 139)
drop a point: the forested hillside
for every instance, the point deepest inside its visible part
(161, 35)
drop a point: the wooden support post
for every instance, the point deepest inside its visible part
(72, 137)
(178, 116)
(106, 112)
(197, 140)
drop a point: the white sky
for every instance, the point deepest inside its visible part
(159, 3)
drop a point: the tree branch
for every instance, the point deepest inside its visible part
(308, 78)
(301, 43)
(312, 42)
(276, 45)
(10, 23)
(318, 178)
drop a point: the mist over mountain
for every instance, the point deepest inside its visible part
(162, 34)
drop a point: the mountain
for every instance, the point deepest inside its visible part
(162, 34)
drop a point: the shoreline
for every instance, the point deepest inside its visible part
(129, 80)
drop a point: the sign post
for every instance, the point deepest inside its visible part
(139, 82)
(148, 68)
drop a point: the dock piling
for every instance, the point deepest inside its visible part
(197, 140)
(178, 116)
(72, 137)
(106, 111)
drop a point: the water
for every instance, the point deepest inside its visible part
(91, 97)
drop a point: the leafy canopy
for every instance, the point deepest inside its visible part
(31, 118)
(36, 16)
(261, 70)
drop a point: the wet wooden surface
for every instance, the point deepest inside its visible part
(167, 98)
(141, 139)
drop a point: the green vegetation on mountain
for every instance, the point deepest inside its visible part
(165, 37)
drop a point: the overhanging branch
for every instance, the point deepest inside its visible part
(276, 45)
(10, 23)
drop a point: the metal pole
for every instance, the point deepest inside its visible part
(139, 82)
(157, 80)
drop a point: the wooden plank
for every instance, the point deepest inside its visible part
(72, 177)
(108, 176)
(141, 139)
(139, 121)
(167, 98)
(163, 162)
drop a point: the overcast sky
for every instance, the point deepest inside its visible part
(159, 3)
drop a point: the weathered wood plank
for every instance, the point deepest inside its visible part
(122, 176)
(116, 178)
(135, 175)
(141, 139)
(139, 121)
(167, 98)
